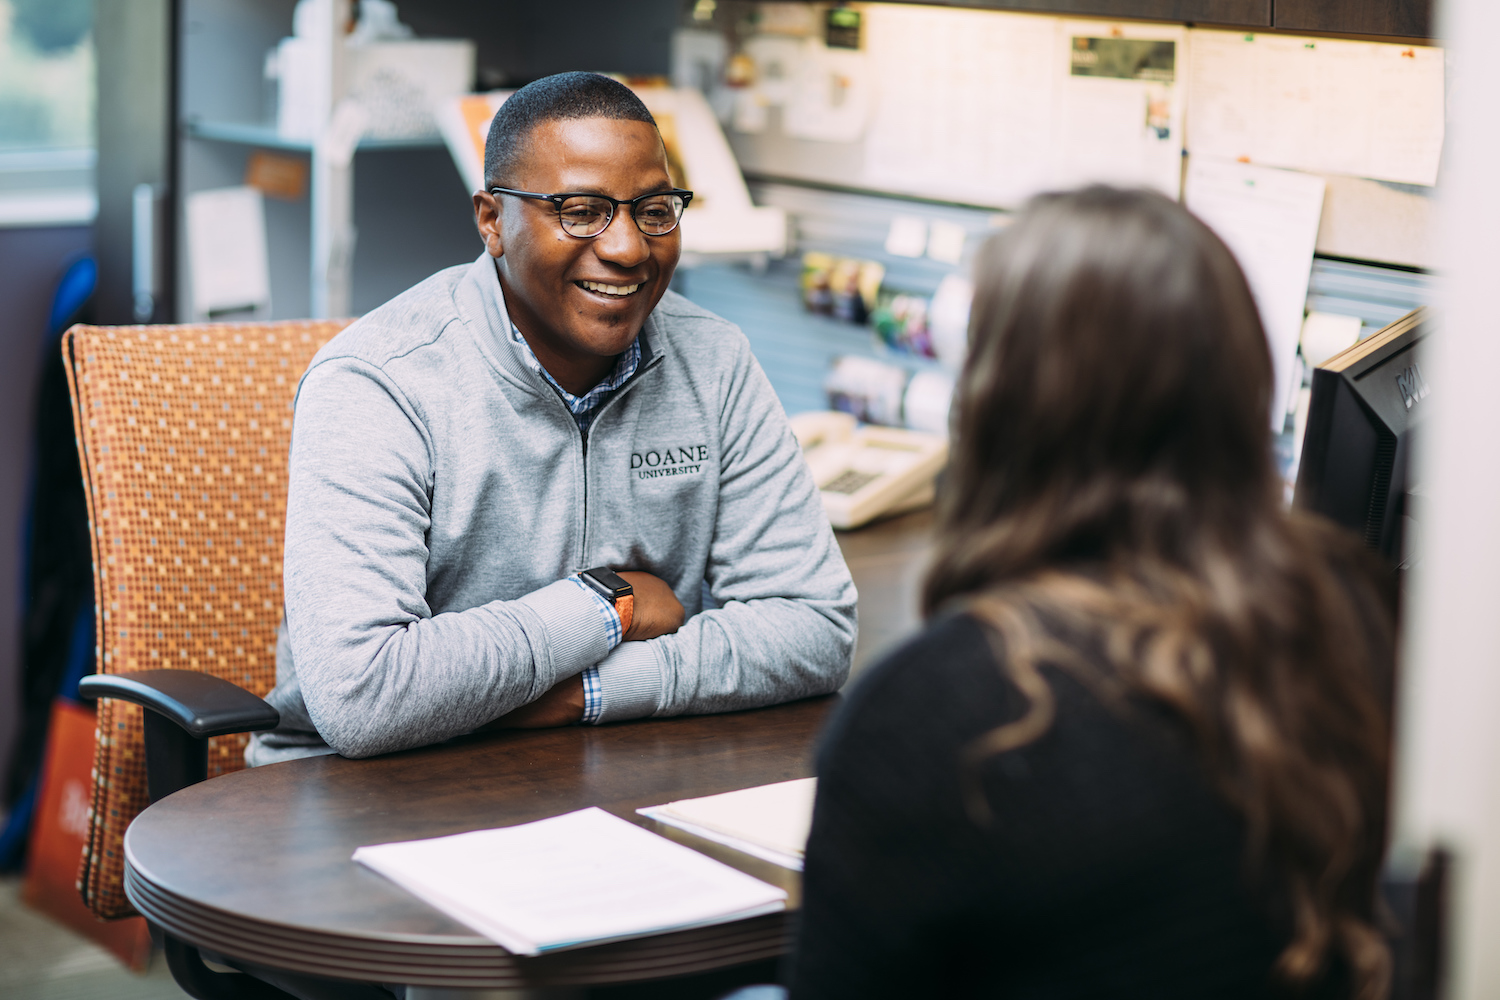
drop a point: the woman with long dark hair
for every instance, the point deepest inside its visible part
(1141, 748)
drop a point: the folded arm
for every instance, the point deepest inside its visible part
(785, 625)
(378, 671)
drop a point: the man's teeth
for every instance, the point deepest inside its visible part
(599, 286)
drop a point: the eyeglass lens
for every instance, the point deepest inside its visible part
(585, 216)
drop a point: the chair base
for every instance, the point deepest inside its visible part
(202, 983)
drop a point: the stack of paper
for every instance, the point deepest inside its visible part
(770, 822)
(582, 878)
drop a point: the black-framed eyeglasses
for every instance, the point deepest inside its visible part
(584, 215)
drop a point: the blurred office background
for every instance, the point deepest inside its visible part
(198, 153)
(48, 203)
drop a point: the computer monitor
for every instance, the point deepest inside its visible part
(1366, 403)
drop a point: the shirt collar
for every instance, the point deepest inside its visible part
(625, 366)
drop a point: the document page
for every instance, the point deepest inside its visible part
(1119, 105)
(993, 107)
(964, 107)
(1269, 220)
(1366, 109)
(585, 877)
(770, 822)
(230, 268)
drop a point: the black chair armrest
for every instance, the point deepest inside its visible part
(186, 708)
(202, 704)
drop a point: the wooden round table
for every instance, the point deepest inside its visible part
(256, 865)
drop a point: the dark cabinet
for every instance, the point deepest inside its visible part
(1408, 18)
(1402, 18)
(1247, 13)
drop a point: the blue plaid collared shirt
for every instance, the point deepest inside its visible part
(584, 408)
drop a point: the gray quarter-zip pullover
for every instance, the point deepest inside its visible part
(440, 492)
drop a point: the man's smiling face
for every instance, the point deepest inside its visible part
(580, 302)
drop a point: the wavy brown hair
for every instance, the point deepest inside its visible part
(1112, 488)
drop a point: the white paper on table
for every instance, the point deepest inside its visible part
(582, 878)
(227, 260)
(770, 822)
(1269, 220)
(1366, 109)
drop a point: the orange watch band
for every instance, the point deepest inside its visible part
(625, 608)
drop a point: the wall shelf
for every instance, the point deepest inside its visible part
(250, 134)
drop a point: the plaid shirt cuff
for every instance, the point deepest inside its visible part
(593, 697)
(593, 691)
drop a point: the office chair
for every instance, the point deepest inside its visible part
(183, 434)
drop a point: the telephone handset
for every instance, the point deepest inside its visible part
(867, 472)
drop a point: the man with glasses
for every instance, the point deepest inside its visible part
(542, 489)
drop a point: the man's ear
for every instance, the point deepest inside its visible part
(488, 219)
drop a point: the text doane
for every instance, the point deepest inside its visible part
(681, 461)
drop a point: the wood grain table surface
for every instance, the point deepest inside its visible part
(256, 864)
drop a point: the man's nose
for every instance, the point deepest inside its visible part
(622, 243)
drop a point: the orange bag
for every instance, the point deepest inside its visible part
(58, 834)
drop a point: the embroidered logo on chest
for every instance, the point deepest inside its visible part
(682, 460)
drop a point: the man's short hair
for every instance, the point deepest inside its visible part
(553, 98)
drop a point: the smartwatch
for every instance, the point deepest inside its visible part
(613, 588)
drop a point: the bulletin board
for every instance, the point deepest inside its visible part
(1284, 145)
(978, 107)
(988, 107)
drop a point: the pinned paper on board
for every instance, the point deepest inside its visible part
(1062, 103)
(831, 95)
(1119, 106)
(1269, 220)
(941, 72)
(1365, 109)
(778, 62)
(751, 111)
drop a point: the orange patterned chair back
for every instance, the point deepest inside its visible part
(183, 434)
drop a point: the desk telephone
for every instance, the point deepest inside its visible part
(868, 472)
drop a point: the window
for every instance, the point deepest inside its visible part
(47, 99)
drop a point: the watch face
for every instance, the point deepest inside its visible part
(610, 583)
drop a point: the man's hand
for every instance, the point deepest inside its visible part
(657, 609)
(562, 705)
(657, 612)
